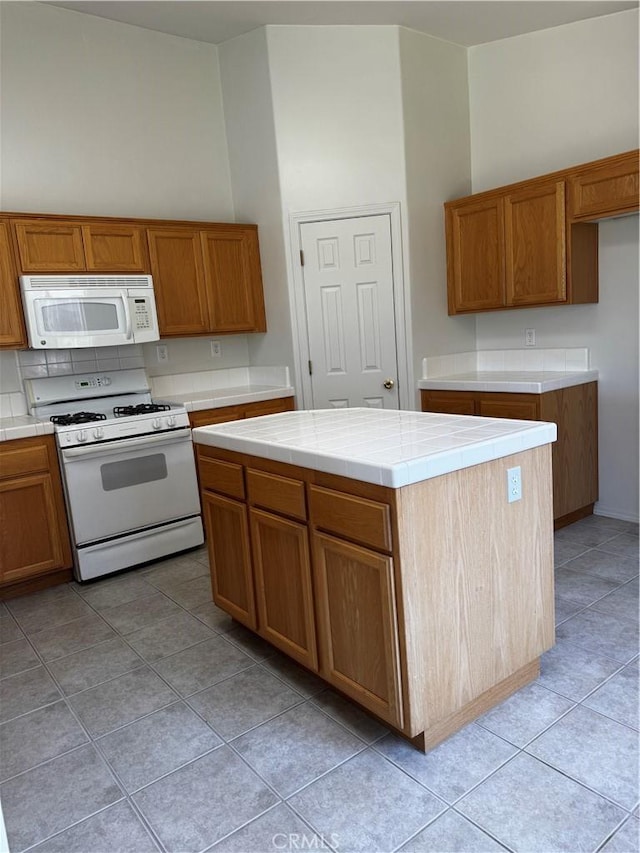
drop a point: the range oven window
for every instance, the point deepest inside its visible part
(79, 316)
(133, 472)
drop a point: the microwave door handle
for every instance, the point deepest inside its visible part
(127, 311)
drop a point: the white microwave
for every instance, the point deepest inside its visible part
(68, 312)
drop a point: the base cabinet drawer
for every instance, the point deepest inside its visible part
(355, 518)
(357, 623)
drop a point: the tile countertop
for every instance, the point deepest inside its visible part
(23, 426)
(388, 447)
(216, 398)
(509, 381)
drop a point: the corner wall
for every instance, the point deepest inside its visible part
(546, 101)
(435, 101)
(251, 139)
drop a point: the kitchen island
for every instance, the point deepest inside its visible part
(385, 551)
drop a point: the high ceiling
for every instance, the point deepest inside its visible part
(465, 22)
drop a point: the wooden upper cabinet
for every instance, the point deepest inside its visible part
(83, 245)
(535, 242)
(179, 281)
(207, 281)
(535, 245)
(475, 255)
(605, 188)
(234, 279)
(12, 331)
(114, 248)
(49, 246)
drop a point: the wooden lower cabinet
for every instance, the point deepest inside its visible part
(207, 417)
(574, 410)
(357, 625)
(283, 585)
(230, 557)
(430, 604)
(34, 538)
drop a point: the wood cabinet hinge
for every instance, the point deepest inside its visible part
(310, 368)
(301, 258)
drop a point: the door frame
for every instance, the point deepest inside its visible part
(406, 395)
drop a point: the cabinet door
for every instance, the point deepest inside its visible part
(229, 557)
(49, 246)
(12, 331)
(475, 255)
(114, 248)
(606, 190)
(524, 407)
(41, 546)
(179, 283)
(535, 243)
(207, 417)
(449, 402)
(269, 407)
(575, 453)
(234, 279)
(283, 586)
(357, 625)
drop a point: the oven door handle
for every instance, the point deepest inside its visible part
(126, 444)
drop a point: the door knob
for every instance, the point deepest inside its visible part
(388, 384)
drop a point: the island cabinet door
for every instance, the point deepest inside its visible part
(229, 557)
(357, 625)
(283, 586)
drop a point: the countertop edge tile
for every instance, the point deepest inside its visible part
(306, 449)
(196, 401)
(23, 426)
(510, 382)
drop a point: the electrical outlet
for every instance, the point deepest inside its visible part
(529, 337)
(514, 484)
(162, 353)
(216, 349)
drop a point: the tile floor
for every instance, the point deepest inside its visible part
(135, 716)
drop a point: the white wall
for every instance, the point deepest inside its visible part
(248, 111)
(435, 99)
(338, 121)
(552, 99)
(104, 118)
(546, 101)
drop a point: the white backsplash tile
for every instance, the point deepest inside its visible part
(84, 354)
(64, 368)
(58, 356)
(34, 371)
(108, 363)
(573, 359)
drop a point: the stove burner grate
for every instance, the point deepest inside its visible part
(77, 418)
(140, 409)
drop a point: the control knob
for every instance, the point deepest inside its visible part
(81, 436)
(171, 421)
(156, 423)
(98, 432)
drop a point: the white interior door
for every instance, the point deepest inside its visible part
(348, 288)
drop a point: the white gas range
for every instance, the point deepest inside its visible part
(128, 468)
